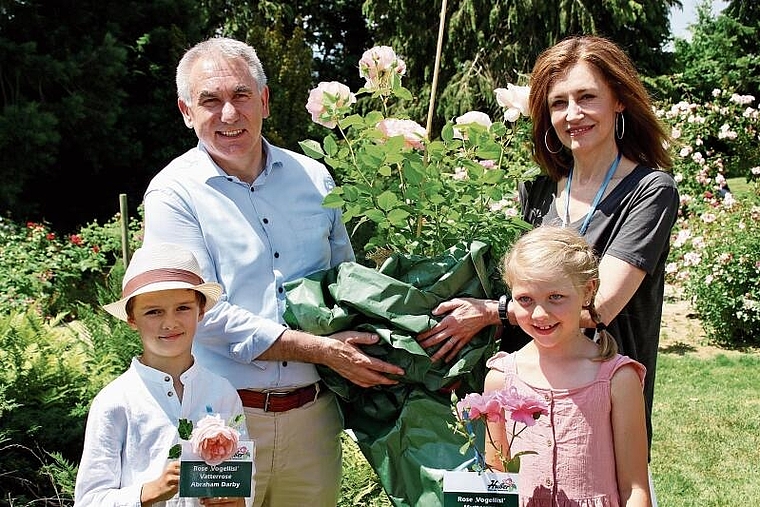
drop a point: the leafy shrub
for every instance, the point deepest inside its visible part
(39, 270)
(51, 366)
(717, 257)
(714, 141)
(43, 401)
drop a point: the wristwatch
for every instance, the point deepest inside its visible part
(503, 316)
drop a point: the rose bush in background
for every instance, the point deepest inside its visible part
(713, 141)
(51, 274)
(715, 254)
(410, 193)
(717, 262)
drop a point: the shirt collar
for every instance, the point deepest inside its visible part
(272, 158)
(159, 377)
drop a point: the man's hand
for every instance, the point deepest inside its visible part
(466, 317)
(346, 358)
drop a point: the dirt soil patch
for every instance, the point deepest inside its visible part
(681, 331)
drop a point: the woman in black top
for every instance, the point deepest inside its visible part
(604, 154)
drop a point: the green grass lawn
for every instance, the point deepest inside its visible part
(739, 187)
(706, 442)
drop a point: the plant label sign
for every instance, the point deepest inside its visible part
(479, 489)
(233, 477)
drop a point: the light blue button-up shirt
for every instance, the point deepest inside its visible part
(251, 239)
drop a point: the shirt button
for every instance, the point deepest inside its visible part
(548, 443)
(547, 398)
(266, 220)
(167, 379)
(279, 289)
(548, 483)
(251, 189)
(277, 255)
(170, 394)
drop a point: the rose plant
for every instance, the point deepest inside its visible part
(410, 193)
(716, 240)
(502, 405)
(213, 439)
(712, 141)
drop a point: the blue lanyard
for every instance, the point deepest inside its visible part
(597, 199)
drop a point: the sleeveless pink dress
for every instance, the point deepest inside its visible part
(575, 464)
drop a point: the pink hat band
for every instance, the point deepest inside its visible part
(160, 275)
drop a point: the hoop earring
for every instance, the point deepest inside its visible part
(546, 142)
(619, 133)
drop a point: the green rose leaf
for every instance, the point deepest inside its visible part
(312, 148)
(175, 452)
(185, 429)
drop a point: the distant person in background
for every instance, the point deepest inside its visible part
(604, 154)
(252, 214)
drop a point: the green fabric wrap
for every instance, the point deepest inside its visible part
(402, 430)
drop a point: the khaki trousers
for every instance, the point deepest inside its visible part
(298, 454)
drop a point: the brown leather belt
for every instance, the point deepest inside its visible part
(281, 401)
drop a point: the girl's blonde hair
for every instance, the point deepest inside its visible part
(547, 253)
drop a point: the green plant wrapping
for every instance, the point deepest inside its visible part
(404, 431)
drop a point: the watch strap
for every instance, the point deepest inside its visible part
(503, 316)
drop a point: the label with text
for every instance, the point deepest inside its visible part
(233, 477)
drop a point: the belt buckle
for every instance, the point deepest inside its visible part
(276, 393)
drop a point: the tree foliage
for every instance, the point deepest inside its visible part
(489, 44)
(89, 102)
(723, 53)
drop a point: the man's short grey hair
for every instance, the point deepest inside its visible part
(224, 46)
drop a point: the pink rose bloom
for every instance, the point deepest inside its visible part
(377, 63)
(412, 131)
(213, 440)
(326, 100)
(485, 406)
(514, 99)
(522, 408)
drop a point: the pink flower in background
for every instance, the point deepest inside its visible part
(328, 102)
(213, 440)
(412, 131)
(377, 66)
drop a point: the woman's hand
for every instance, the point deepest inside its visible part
(466, 317)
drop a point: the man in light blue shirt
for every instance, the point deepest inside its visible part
(252, 214)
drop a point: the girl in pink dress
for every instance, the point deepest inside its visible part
(591, 451)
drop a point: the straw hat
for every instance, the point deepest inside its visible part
(161, 267)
